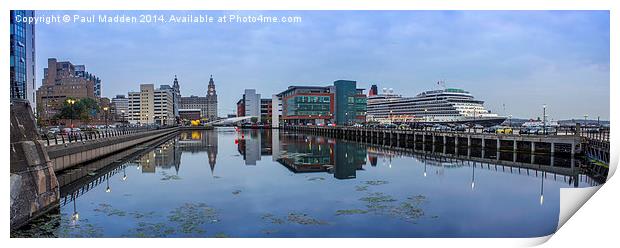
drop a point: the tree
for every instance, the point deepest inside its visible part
(83, 109)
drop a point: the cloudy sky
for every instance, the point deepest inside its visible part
(514, 60)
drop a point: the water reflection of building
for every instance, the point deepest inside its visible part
(253, 144)
(200, 141)
(304, 154)
(165, 156)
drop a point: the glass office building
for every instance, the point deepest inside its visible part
(342, 104)
(22, 57)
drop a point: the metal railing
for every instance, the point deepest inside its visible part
(601, 134)
(83, 136)
(595, 133)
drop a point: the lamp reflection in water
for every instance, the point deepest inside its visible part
(107, 189)
(424, 167)
(542, 180)
(473, 169)
(75, 216)
(124, 174)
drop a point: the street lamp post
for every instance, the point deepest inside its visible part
(105, 116)
(425, 116)
(510, 120)
(71, 102)
(545, 119)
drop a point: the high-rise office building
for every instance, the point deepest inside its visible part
(22, 57)
(250, 104)
(276, 110)
(133, 114)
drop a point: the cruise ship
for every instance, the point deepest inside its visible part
(444, 106)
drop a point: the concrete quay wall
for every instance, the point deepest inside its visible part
(65, 157)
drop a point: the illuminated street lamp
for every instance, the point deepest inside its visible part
(71, 102)
(105, 116)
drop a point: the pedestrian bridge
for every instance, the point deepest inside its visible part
(229, 121)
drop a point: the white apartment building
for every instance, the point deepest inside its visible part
(151, 106)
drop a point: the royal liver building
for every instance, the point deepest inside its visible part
(211, 101)
(207, 104)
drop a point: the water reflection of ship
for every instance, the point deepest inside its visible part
(200, 141)
(306, 154)
(252, 144)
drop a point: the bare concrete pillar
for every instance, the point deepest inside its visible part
(532, 147)
(552, 149)
(456, 141)
(514, 146)
(444, 140)
(468, 141)
(572, 149)
(499, 144)
(483, 143)
(514, 157)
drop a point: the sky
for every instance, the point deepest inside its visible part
(516, 61)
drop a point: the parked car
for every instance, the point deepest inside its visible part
(524, 130)
(331, 124)
(547, 130)
(503, 130)
(492, 129)
(403, 126)
(459, 128)
(53, 131)
(441, 128)
(358, 125)
(389, 126)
